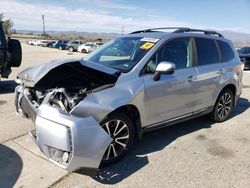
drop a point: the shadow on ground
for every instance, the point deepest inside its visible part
(10, 167)
(7, 86)
(156, 141)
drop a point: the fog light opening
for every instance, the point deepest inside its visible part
(65, 157)
(59, 156)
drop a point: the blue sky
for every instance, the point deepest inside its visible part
(112, 15)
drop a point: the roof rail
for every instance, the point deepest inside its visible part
(160, 28)
(206, 32)
(179, 30)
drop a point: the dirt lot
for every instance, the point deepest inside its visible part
(32, 55)
(197, 153)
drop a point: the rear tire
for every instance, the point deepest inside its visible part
(120, 127)
(71, 49)
(84, 51)
(223, 106)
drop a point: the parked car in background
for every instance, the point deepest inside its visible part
(51, 44)
(244, 54)
(73, 45)
(99, 44)
(42, 43)
(87, 48)
(31, 42)
(89, 111)
(10, 54)
(61, 44)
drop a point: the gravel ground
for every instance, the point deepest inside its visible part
(197, 153)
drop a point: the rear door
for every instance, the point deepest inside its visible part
(210, 72)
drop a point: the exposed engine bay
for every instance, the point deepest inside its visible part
(64, 86)
(63, 98)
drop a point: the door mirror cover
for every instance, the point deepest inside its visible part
(164, 67)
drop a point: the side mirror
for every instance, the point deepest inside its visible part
(163, 67)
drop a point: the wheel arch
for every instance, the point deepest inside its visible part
(133, 113)
(232, 87)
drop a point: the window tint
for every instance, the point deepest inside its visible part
(226, 51)
(177, 51)
(2, 36)
(206, 51)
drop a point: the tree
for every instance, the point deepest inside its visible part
(7, 25)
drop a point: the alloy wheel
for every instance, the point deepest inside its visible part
(71, 49)
(119, 131)
(224, 105)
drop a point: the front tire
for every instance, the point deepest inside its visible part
(121, 129)
(223, 106)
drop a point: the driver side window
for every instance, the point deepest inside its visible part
(177, 51)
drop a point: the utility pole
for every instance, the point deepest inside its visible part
(43, 26)
(122, 30)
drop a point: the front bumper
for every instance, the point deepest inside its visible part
(69, 141)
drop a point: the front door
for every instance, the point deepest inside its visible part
(173, 95)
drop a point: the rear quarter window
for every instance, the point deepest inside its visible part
(227, 53)
(207, 52)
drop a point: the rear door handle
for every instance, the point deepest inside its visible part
(192, 78)
(222, 71)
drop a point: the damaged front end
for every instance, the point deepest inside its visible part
(47, 94)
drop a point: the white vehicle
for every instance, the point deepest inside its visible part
(87, 48)
(37, 42)
(32, 42)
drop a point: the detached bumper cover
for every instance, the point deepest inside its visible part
(69, 141)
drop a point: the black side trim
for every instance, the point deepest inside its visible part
(195, 115)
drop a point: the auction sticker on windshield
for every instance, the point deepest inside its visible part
(147, 45)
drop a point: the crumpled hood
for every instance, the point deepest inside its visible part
(31, 76)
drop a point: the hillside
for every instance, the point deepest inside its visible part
(239, 39)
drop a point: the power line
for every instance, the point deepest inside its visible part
(122, 30)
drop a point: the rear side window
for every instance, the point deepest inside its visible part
(207, 52)
(227, 53)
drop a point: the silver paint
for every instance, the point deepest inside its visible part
(175, 95)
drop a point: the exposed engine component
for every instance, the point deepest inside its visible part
(66, 100)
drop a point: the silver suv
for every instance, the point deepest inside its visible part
(89, 111)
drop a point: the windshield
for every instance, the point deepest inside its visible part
(245, 50)
(122, 53)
